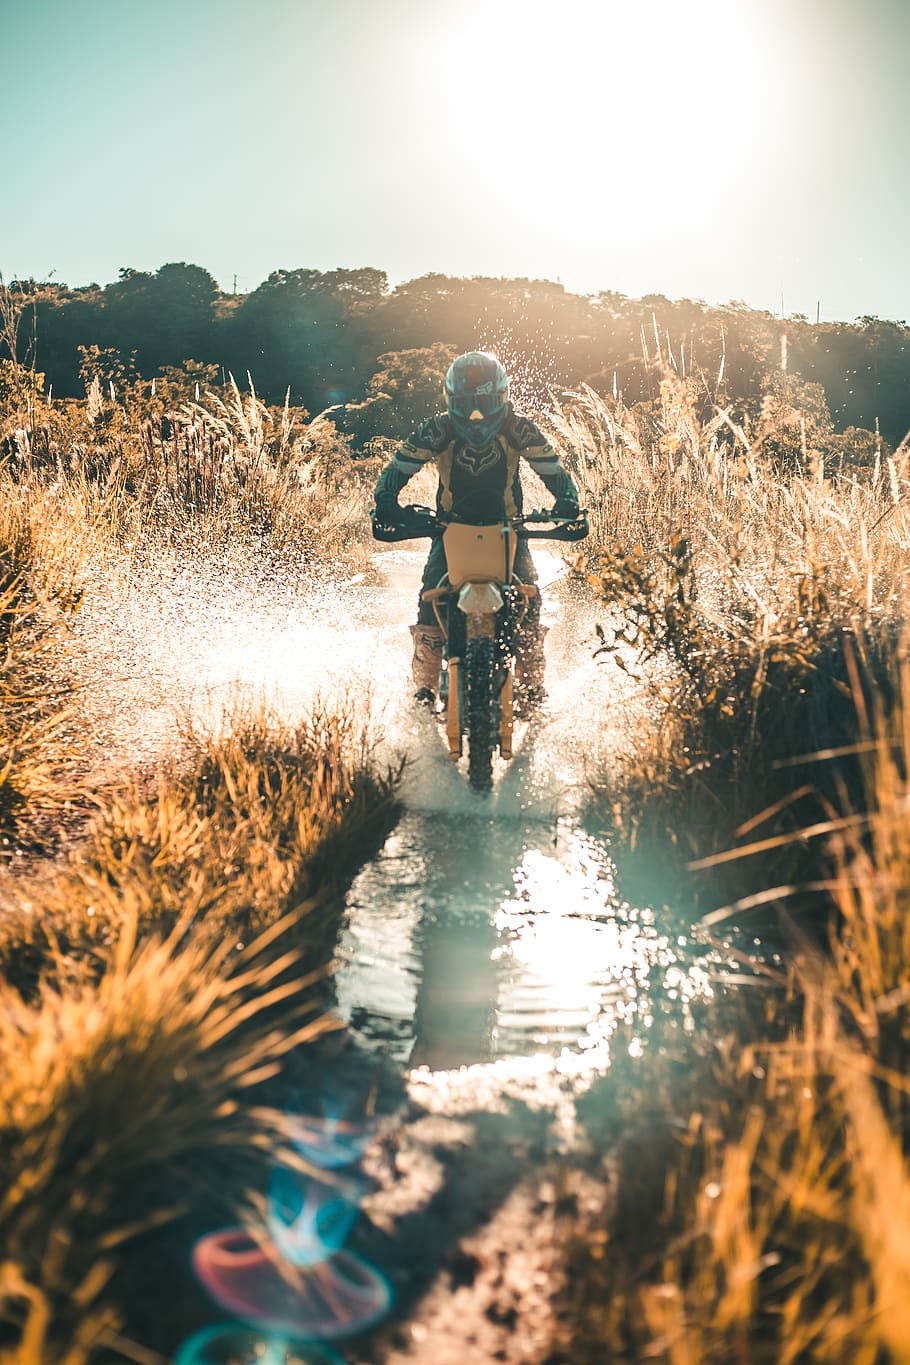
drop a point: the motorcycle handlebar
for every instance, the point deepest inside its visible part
(562, 528)
(414, 523)
(419, 523)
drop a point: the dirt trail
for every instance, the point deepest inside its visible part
(484, 955)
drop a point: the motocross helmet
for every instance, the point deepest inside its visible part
(477, 397)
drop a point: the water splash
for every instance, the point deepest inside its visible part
(188, 636)
(182, 640)
(533, 373)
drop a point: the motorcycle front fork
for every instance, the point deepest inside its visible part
(451, 693)
(457, 628)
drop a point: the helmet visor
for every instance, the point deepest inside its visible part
(484, 400)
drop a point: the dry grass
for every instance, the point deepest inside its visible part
(738, 1231)
(129, 1104)
(148, 984)
(105, 487)
(233, 465)
(762, 1189)
(756, 603)
(37, 757)
(222, 469)
(253, 820)
(45, 539)
(175, 958)
(759, 1178)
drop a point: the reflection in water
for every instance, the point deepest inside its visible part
(489, 930)
(483, 938)
(455, 1007)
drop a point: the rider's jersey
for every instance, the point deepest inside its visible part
(477, 485)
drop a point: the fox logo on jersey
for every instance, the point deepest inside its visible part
(477, 462)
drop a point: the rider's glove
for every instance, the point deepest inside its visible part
(565, 508)
(387, 509)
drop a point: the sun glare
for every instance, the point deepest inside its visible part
(619, 121)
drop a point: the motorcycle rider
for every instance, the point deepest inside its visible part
(477, 445)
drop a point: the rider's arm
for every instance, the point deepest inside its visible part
(526, 437)
(426, 442)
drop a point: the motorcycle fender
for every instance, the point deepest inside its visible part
(480, 598)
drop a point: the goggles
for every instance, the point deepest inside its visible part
(475, 405)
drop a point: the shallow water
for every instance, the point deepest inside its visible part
(482, 937)
(487, 938)
(488, 931)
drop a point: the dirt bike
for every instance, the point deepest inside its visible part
(479, 603)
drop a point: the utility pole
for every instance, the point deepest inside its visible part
(818, 312)
(235, 284)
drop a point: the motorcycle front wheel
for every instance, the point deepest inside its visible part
(482, 725)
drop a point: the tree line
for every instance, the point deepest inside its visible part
(345, 339)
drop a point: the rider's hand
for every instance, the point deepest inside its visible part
(387, 509)
(564, 509)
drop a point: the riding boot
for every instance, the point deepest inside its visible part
(427, 661)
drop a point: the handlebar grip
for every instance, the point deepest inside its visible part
(558, 530)
(415, 523)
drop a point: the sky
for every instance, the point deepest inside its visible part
(712, 149)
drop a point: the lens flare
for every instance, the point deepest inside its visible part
(230, 1343)
(309, 1220)
(340, 1296)
(330, 1143)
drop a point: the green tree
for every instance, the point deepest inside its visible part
(286, 334)
(165, 318)
(404, 390)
